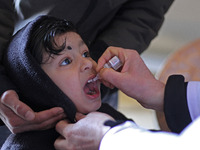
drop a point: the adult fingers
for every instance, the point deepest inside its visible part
(48, 114)
(108, 54)
(43, 120)
(63, 126)
(109, 77)
(11, 100)
(79, 116)
(61, 144)
(47, 119)
(47, 124)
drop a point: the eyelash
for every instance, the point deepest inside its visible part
(86, 54)
(67, 61)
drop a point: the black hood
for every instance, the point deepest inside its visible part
(36, 89)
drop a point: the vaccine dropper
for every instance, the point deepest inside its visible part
(113, 63)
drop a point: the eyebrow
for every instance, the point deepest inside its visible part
(81, 43)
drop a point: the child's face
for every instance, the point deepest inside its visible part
(72, 69)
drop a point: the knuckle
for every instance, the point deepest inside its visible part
(39, 120)
(18, 107)
(69, 134)
(14, 123)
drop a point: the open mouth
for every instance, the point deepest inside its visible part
(91, 88)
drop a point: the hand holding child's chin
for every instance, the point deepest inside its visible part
(87, 132)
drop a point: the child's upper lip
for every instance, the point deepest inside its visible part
(91, 77)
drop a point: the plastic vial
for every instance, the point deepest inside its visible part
(114, 63)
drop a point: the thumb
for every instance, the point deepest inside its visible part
(111, 76)
(11, 100)
(79, 116)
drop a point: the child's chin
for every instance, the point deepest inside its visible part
(94, 108)
(98, 106)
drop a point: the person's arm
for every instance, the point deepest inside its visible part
(129, 136)
(99, 131)
(136, 24)
(181, 102)
(193, 98)
(134, 78)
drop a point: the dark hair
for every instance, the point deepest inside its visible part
(43, 34)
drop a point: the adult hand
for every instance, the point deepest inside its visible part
(134, 79)
(18, 117)
(85, 134)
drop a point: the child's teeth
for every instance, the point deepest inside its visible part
(90, 80)
(94, 79)
(91, 92)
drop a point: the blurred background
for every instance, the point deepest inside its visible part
(181, 27)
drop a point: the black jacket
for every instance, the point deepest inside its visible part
(124, 23)
(175, 104)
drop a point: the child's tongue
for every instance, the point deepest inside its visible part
(90, 88)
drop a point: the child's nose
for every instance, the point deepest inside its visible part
(86, 64)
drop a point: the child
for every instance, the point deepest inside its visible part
(50, 65)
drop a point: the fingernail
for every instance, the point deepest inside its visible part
(29, 115)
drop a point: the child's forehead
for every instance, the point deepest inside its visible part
(69, 39)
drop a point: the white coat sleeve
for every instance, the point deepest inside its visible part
(193, 99)
(129, 136)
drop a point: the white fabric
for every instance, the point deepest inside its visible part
(193, 99)
(128, 136)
